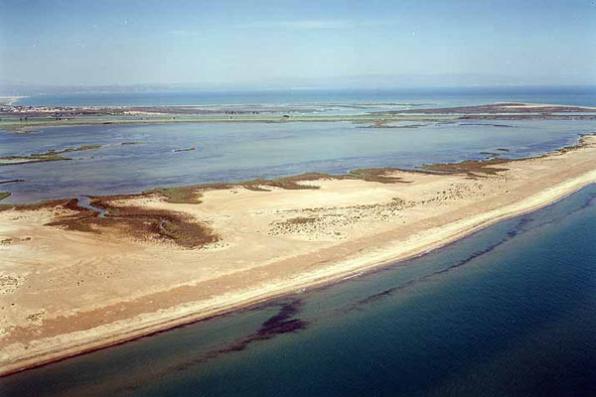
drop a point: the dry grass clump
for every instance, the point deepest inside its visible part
(472, 168)
(179, 195)
(331, 221)
(290, 182)
(301, 220)
(381, 175)
(138, 223)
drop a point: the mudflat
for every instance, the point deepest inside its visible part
(74, 278)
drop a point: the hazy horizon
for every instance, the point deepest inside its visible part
(290, 44)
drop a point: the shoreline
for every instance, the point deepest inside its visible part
(366, 174)
(250, 303)
(337, 268)
(10, 100)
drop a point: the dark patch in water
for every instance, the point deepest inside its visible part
(476, 254)
(489, 125)
(131, 143)
(588, 203)
(281, 323)
(519, 228)
(11, 181)
(185, 149)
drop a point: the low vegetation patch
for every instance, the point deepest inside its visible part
(472, 168)
(50, 155)
(179, 195)
(139, 223)
(290, 182)
(381, 175)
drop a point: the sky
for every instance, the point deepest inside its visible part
(302, 43)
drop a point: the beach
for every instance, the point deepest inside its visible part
(175, 256)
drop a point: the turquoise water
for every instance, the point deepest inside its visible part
(509, 311)
(228, 152)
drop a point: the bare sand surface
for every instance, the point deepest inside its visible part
(71, 281)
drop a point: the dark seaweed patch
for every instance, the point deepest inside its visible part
(281, 323)
(511, 234)
(11, 181)
(487, 125)
(474, 255)
(520, 228)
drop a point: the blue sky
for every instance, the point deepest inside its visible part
(298, 43)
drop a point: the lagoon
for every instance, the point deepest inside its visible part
(134, 158)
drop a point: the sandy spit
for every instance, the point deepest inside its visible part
(65, 292)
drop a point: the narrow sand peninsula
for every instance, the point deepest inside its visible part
(72, 281)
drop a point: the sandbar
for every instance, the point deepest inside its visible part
(72, 281)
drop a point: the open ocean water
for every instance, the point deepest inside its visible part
(428, 97)
(508, 311)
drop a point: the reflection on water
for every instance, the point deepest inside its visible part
(137, 158)
(509, 311)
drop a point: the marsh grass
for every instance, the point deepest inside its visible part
(50, 155)
(138, 223)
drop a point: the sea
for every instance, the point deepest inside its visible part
(430, 97)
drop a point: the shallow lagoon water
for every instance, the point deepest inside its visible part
(508, 311)
(228, 152)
